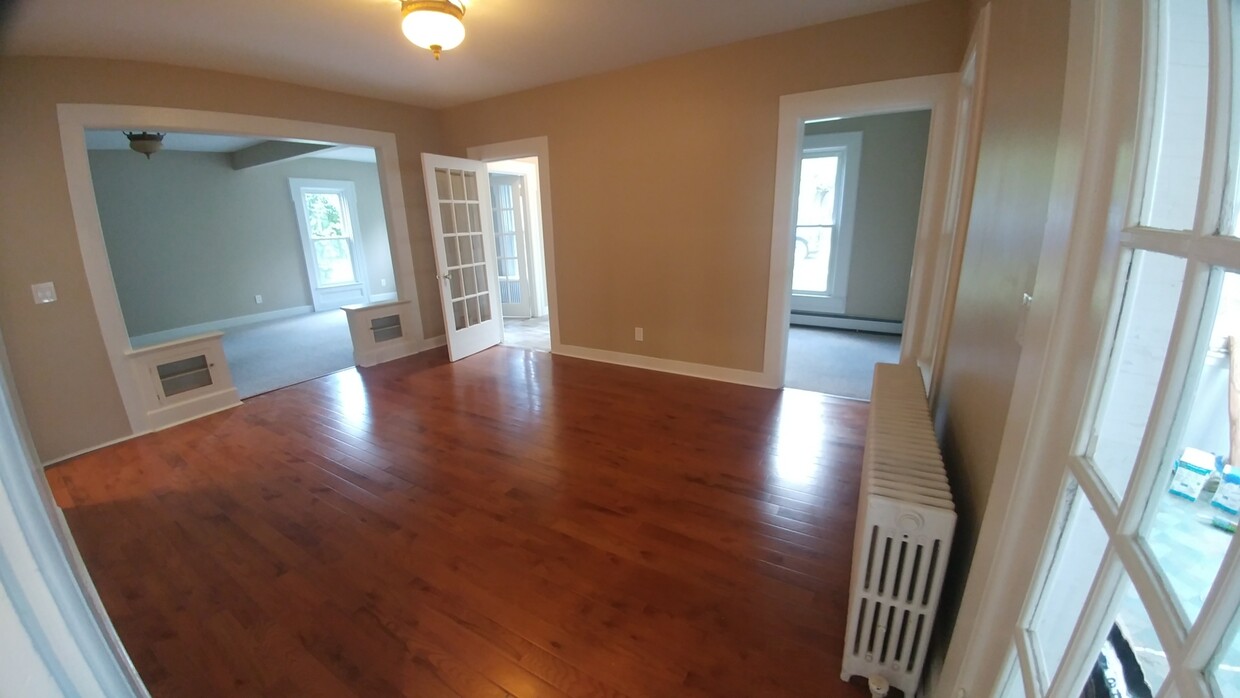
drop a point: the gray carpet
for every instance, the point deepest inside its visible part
(837, 362)
(270, 355)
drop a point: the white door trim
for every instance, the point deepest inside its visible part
(539, 148)
(76, 118)
(536, 260)
(59, 639)
(1023, 496)
(933, 92)
(948, 251)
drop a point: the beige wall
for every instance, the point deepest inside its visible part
(191, 240)
(1021, 113)
(893, 165)
(61, 368)
(662, 191)
(663, 176)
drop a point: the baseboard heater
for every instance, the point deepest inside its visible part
(905, 522)
(846, 322)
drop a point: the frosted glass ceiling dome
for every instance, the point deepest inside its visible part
(434, 25)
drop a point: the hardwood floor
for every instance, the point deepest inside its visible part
(515, 524)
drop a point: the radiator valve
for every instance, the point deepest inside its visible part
(878, 687)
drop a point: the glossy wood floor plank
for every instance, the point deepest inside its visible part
(515, 524)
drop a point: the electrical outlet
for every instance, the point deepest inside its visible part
(383, 283)
(258, 300)
(44, 292)
(639, 334)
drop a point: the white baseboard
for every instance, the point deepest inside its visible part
(216, 325)
(81, 452)
(382, 297)
(684, 368)
(165, 418)
(181, 412)
(840, 322)
(434, 343)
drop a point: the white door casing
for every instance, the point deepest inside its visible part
(933, 92)
(458, 199)
(540, 208)
(325, 294)
(948, 250)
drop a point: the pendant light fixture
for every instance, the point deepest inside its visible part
(434, 25)
(146, 143)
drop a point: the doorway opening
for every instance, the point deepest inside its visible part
(857, 206)
(519, 252)
(831, 292)
(524, 238)
(260, 239)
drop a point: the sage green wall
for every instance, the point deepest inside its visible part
(893, 164)
(60, 364)
(192, 240)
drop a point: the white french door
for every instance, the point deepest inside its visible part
(511, 248)
(459, 203)
(1138, 585)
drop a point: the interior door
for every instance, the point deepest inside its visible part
(508, 198)
(461, 229)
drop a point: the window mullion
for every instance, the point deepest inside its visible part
(1032, 674)
(1096, 492)
(1170, 689)
(1164, 425)
(1159, 601)
(1091, 629)
(1155, 240)
(1218, 613)
(1217, 250)
(1218, 122)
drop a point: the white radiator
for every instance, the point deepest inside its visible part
(904, 534)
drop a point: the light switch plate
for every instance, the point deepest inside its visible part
(44, 292)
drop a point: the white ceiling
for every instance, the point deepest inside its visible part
(356, 46)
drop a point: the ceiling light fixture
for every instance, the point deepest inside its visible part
(434, 25)
(146, 143)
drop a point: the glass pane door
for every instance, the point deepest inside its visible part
(510, 249)
(458, 199)
(1139, 585)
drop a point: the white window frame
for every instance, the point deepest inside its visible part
(848, 147)
(323, 293)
